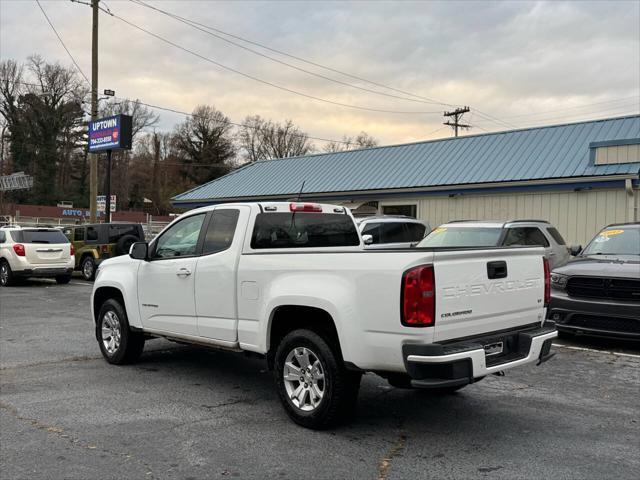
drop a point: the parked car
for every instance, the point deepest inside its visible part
(34, 252)
(291, 282)
(392, 231)
(487, 233)
(96, 242)
(598, 292)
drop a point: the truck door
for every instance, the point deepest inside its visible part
(166, 281)
(215, 289)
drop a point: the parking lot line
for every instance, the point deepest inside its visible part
(86, 284)
(570, 347)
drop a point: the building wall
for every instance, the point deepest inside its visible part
(577, 215)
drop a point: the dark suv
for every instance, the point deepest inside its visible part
(96, 242)
(598, 292)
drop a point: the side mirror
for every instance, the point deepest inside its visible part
(367, 239)
(575, 250)
(139, 251)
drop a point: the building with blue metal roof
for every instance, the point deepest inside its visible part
(579, 176)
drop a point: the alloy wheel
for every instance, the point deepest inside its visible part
(4, 274)
(304, 379)
(111, 333)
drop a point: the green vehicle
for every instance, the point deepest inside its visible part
(94, 243)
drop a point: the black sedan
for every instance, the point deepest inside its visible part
(598, 292)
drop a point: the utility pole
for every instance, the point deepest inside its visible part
(93, 158)
(457, 115)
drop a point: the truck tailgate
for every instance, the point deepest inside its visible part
(497, 290)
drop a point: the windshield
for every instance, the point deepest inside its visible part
(615, 241)
(462, 237)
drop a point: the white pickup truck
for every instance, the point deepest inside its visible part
(292, 282)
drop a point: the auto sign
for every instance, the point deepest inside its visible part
(110, 133)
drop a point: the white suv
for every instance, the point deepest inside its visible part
(35, 252)
(392, 231)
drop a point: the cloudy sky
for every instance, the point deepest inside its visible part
(516, 64)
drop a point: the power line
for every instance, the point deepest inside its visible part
(575, 107)
(187, 114)
(62, 42)
(265, 82)
(197, 25)
(309, 62)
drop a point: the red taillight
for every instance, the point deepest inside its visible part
(547, 281)
(419, 297)
(72, 250)
(19, 249)
(305, 207)
(104, 248)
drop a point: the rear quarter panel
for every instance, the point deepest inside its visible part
(360, 290)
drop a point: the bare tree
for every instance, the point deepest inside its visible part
(261, 139)
(204, 143)
(362, 140)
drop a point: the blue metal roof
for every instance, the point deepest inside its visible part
(551, 152)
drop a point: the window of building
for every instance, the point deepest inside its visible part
(406, 210)
(617, 152)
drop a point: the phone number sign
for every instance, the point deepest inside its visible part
(110, 133)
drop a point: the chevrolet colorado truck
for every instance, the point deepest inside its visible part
(293, 283)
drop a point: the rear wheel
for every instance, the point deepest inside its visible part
(88, 268)
(6, 275)
(118, 343)
(63, 279)
(315, 388)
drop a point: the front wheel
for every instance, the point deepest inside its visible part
(118, 343)
(315, 388)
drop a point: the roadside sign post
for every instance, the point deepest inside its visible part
(105, 135)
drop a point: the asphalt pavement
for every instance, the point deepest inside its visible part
(186, 412)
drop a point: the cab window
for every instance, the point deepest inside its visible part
(181, 239)
(220, 231)
(525, 236)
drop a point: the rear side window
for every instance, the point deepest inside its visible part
(416, 231)
(78, 234)
(222, 227)
(525, 236)
(40, 236)
(3, 237)
(373, 229)
(394, 233)
(92, 234)
(304, 230)
(555, 234)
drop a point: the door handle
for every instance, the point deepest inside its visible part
(183, 272)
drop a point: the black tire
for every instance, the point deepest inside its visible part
(63, 279)
(399, 380)
(88, 268)
(340, 386)
(444, 390)
(130, 343)
(6, 275)
(124, 244)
